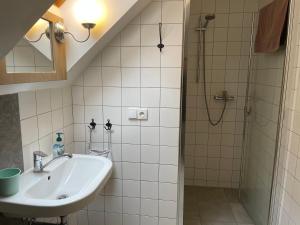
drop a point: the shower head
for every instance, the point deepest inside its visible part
(210, 16)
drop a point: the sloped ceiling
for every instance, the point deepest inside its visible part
(118, 14)
(16, 18)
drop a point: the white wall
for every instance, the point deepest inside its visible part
(131, 72)
(42, 114)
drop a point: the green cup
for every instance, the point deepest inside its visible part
(9, 181)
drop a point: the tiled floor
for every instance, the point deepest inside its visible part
(213, 206)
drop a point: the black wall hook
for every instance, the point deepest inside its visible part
(160, 45)
(92, 125)
(108, 125)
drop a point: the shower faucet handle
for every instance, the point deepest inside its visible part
(224, 97)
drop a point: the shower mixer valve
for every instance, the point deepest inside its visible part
(224, 97)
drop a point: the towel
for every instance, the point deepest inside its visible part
(272, 19)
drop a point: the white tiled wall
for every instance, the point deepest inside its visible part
(131, 72)
(42, 114)
(213, 154)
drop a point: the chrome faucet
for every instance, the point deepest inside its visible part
(38, 156)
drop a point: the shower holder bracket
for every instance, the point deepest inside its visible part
(223, 98)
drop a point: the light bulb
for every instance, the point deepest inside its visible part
(88, 11)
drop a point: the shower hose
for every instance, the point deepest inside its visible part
(204, 82)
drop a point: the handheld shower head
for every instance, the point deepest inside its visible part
(208, 18)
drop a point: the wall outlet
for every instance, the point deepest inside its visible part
(142, 114)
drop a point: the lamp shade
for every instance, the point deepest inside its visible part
(88, 11)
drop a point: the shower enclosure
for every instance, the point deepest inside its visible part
(261, 127)
(231, 104)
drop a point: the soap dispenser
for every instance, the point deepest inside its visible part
(58, 147)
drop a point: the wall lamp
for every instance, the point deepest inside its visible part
(87, 13)
(59, 31)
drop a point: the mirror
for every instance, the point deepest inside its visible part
(33, 53)
(37, 57)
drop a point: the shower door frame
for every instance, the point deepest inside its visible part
(285, 72)
(281, 114)
(183, 90)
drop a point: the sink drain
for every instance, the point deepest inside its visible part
(63, 196)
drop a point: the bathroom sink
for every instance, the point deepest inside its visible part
(66, 186)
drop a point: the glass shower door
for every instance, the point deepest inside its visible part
(260, 142)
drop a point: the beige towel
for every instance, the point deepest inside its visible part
(270, 26)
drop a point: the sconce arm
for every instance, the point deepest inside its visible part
(80, 41)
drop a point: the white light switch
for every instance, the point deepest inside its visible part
(132, 113)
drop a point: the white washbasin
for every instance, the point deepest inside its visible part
(77, 181)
